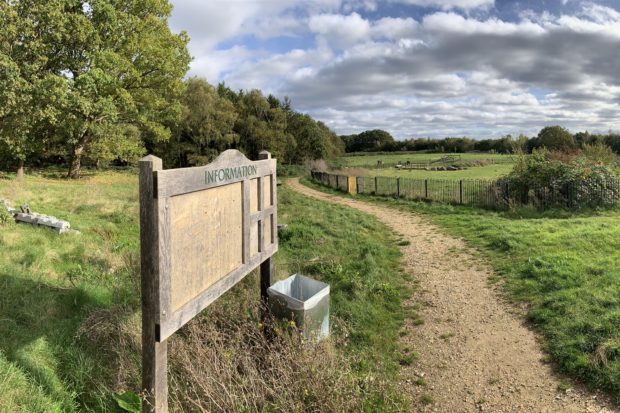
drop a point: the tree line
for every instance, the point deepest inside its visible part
(102, 81)
(550, 137)
(217, 118)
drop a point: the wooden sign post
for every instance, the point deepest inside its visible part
(202, 230)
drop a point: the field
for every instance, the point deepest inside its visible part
(492, 166)
(370, 159)
(562, 268)
(492, 171)
(69, 314)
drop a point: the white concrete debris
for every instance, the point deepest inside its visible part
(26, 216)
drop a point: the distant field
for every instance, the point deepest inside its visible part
(419, 157)
(492, 171)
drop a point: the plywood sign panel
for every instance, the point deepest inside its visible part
(215, 224)
(202, 230)
(206, 237)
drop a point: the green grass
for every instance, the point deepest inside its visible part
(51, 284)
(416, 157)
(490, 172)
(427, 399)
(359, 258)
(565, 266)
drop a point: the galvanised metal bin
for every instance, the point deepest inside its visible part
(304, 301)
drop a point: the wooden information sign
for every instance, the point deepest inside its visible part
(202, 230)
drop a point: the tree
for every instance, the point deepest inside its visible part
(30, 94)
(556, 138)
(207, 123)
(370, 140)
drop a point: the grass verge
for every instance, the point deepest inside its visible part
(563, 266)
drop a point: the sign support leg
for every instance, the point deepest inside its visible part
(154, 370)
(267, 273)
(154, 353)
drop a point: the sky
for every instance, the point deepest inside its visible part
(418, 68)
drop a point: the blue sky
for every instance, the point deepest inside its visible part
(417, 68)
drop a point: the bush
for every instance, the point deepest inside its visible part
(570, 179)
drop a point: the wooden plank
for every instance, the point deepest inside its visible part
(274, 212)
(262, 214)
(268, 196)
(246, 221)
(206, 239)
(254, 244)
(154, 351)
(261, 206)
(231, 166)
(184, 314)
(267, 204)
(254, 195)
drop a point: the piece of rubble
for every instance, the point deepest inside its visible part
(48, 221)
(25, 215)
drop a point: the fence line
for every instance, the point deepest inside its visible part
(476, 192)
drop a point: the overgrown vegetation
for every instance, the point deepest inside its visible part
(70, 320)
(581, 177)
(563, 266)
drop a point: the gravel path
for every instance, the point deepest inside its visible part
(475, 353)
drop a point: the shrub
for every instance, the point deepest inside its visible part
(574, 179)
(599, 152)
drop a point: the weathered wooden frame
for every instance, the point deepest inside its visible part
(157, 187)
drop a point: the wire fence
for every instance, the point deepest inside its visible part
(497, 194)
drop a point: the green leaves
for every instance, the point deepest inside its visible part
(74, 70)
(128, 401)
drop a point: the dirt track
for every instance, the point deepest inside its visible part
(475, 352)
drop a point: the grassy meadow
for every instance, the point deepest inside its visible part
(70, 319)
(562, 267)
(483, 166)
(370, 159)
(492, 171)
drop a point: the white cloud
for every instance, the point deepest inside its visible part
(455, 23)
(450, 4)
(394, 28)
(446, 74)
(339, 30)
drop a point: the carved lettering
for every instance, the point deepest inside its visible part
(227, 174)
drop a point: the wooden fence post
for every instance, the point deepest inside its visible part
(461, 191)
(426, 189)
(337, 183)
(154, 353)
(376, 192)
(398, 187)
(267, 267)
